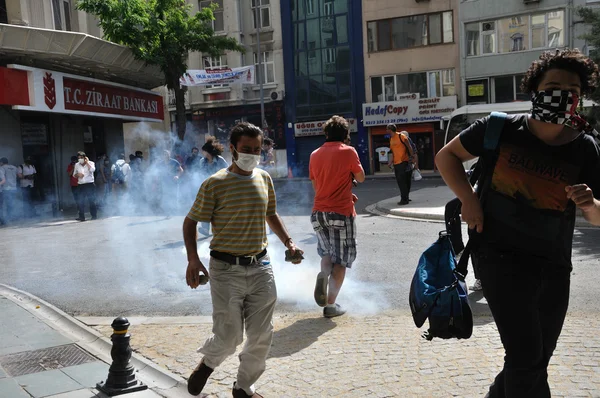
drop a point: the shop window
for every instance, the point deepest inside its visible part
(507, 89)
(477, 91)
(218, 24)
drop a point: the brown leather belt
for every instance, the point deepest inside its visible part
(238, 260)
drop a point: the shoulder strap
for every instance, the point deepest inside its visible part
(494, 130)
(491, 139)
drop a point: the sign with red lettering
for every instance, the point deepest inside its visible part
(306, 129)
(82, 95)
(63, 93)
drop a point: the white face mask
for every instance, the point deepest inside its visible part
(246, 161)
(81, 161)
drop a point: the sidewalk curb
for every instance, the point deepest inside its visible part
(158, 380)
(381, 210)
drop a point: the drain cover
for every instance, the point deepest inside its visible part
(25, 363)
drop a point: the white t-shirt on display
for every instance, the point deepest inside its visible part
(383, 153)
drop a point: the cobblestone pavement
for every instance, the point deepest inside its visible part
(374, 356)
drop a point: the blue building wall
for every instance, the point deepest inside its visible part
(297, 154)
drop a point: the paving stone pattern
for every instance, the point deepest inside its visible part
(378, 356)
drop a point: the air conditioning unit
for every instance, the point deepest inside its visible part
(277, 95)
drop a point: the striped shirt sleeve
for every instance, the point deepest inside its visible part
(272, 205)
(202, 210)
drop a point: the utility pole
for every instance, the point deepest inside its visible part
(257, 21)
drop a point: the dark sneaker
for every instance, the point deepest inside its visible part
(198, 379)
(80, 219)
(403, 202)
(332, 312)
(321, 289)
(242, 394)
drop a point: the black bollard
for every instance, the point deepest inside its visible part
(121, 375)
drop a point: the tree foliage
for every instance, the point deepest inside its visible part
(161, 33)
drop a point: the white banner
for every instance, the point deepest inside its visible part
(418, 110)
(242, 75)
(307, 129)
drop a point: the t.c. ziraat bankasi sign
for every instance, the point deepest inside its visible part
(418, 110)
(58, 92)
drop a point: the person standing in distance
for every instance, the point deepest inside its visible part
(333, 168)
(237, 201)
(401, 159)
(86, 191)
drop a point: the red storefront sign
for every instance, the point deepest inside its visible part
(14, 87)
(87, 96)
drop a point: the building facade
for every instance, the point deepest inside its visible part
(502, 39)
(213, 110)
(412, 74)
(324, 74)
(63, 90)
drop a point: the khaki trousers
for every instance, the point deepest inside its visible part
(243, 298)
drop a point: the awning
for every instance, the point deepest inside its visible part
(76, 53)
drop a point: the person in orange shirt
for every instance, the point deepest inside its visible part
(402, 160)
(333, 167)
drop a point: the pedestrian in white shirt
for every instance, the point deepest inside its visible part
(84, 171)
(26, 173)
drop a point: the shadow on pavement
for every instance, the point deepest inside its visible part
(481, 311)
(585, 242)
(298, 336)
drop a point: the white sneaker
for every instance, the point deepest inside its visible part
(477, 286)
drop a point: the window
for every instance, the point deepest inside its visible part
(507, 89)
(218, 23)
(426, 84)
(520, 33)
(472, 33)
(61, 10)
(372, 37)
(215, 63)
(266, 73)
(477, 91)
(489, 37)
(513, 34)
(310, 7)
(408, 32)
(262, 13)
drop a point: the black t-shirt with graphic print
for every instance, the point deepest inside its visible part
(526, 210)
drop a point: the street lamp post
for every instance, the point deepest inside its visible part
(259, 57)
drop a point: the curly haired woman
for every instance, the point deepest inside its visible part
(544, 169)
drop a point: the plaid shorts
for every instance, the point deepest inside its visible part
(336, 235)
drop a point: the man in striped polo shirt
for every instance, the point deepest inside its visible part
(237, 201)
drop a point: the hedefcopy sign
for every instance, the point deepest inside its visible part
(58, 92)
(306, 129)
(418, 110)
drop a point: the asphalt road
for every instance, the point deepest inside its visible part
(136, 265)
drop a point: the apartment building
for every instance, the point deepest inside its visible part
(412, 71)
(324, 74)
(63, 89)
(501, 39)
(215, 109)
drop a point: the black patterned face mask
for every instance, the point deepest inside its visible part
(554, 106)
